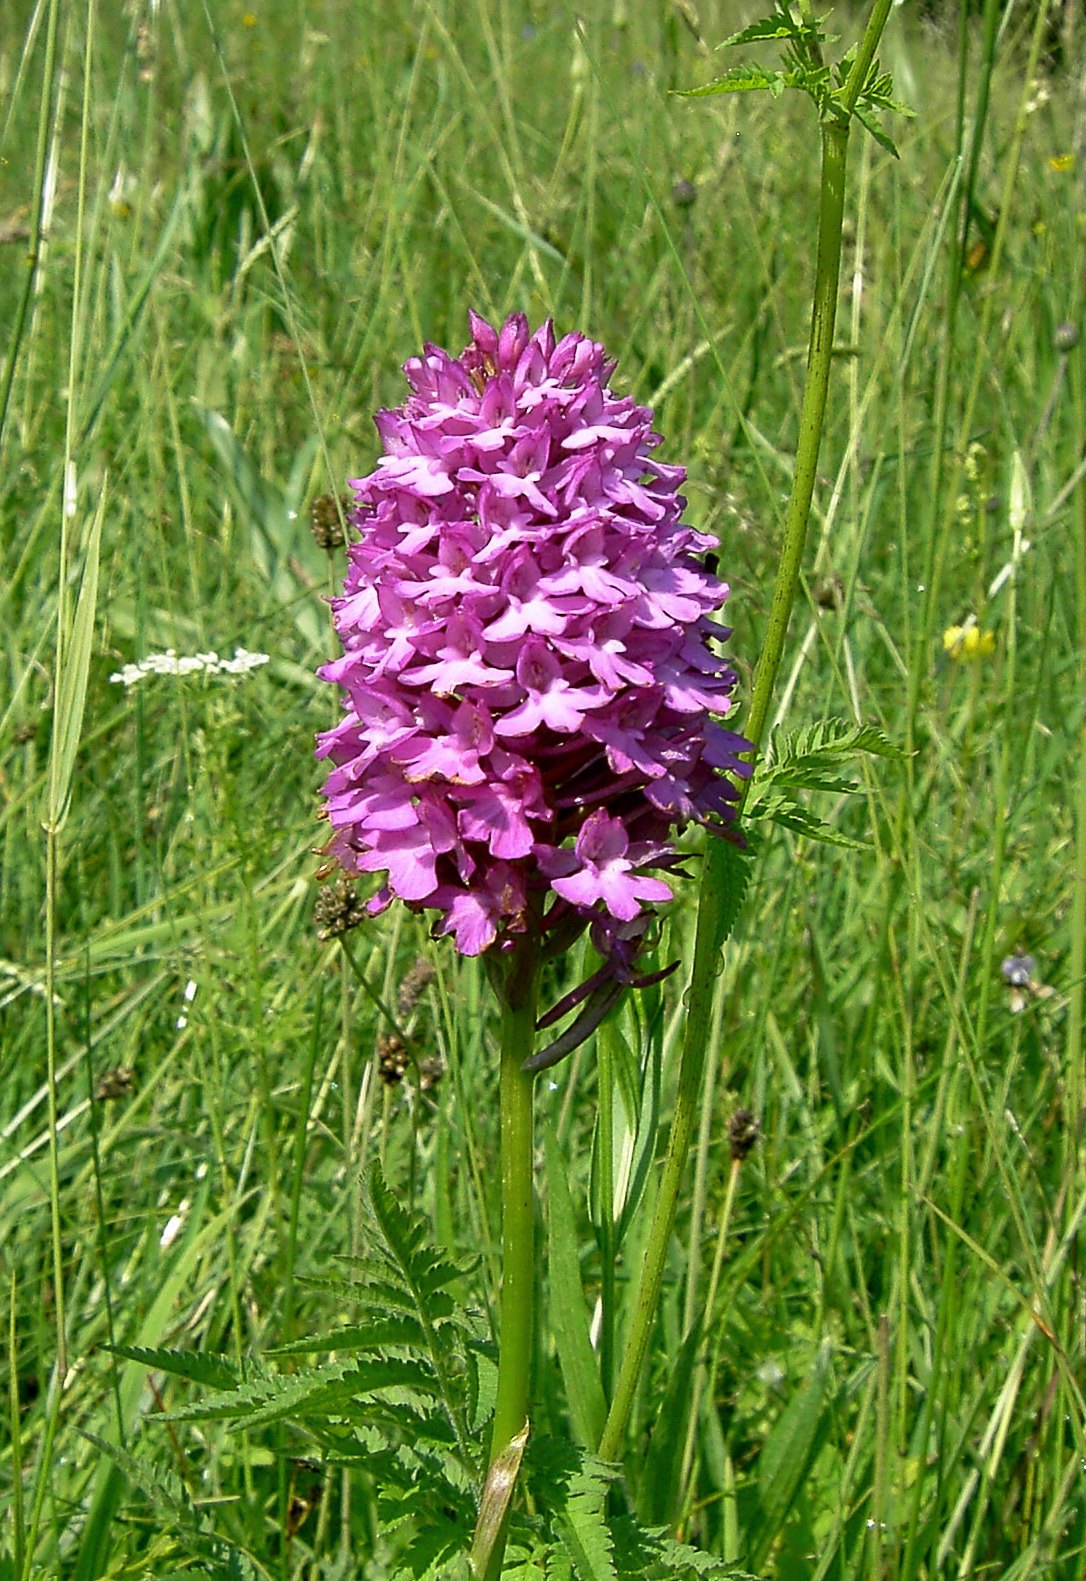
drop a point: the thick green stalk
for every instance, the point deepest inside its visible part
(605, 1142)
(518, 1226)
(517, 991)
(1076, 1007)
(707, 938)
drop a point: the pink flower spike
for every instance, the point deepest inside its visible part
(534, 700)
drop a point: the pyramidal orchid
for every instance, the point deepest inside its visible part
(530, 670)
(533, 702)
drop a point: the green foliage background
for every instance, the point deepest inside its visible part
(280, 206)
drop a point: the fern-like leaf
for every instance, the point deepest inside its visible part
(377, 1332)
(203, 1367)
(167, 1495)
(828, 738)
(785, 810)
(652, 1553)
(326, 1391)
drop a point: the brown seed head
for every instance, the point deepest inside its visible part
(392, 1058)
(413, 986)
(337, 910)
(743, 1134)
(326, 517)
(114, 1084)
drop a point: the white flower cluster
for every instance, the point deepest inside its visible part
(168, 663)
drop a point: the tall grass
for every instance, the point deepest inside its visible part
(270, 211)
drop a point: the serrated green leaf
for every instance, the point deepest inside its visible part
(203, 1367)
(169, 1498)
(783, 809)
(826, 738)
(777, 25)
(375, 1334)
(160, 1486)
(740, 79)
(731, 868)
(870, 124)
(426, 1271)
(327, 1390)
(652, 1551)
(583, 1531)
(813, 774)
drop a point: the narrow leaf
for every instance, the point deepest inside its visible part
(790, 1449)
(286, 558)
(661, 1485)
(732, 868)
(377, 1334)
(568, 1315)
(71, 683)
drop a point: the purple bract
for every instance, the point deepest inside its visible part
(529, 668)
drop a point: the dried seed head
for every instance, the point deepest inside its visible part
(413, 986)
(1065, 338)
(743, 1134)
(392, 1058)
(431, 1071)
(338, 909)
(326, 517)
(114, 1084)
(830, 593)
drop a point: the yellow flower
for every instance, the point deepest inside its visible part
(1061, 162)
(968, 642)
(248, 20)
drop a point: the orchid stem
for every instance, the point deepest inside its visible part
(706, 945)
(516, 1309)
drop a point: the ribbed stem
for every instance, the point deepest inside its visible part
(517, 986)
(706, 946)
(518, 1223)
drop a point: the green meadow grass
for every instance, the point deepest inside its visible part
(252, 219)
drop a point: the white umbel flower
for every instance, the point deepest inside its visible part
(170, 663)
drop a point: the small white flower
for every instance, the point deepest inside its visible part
(169, 663)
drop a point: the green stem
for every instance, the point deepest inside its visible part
(1076, 1008)
(819, 357)
(605, 1138)
(517, 991)
(518, 1223)
(706, 943)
